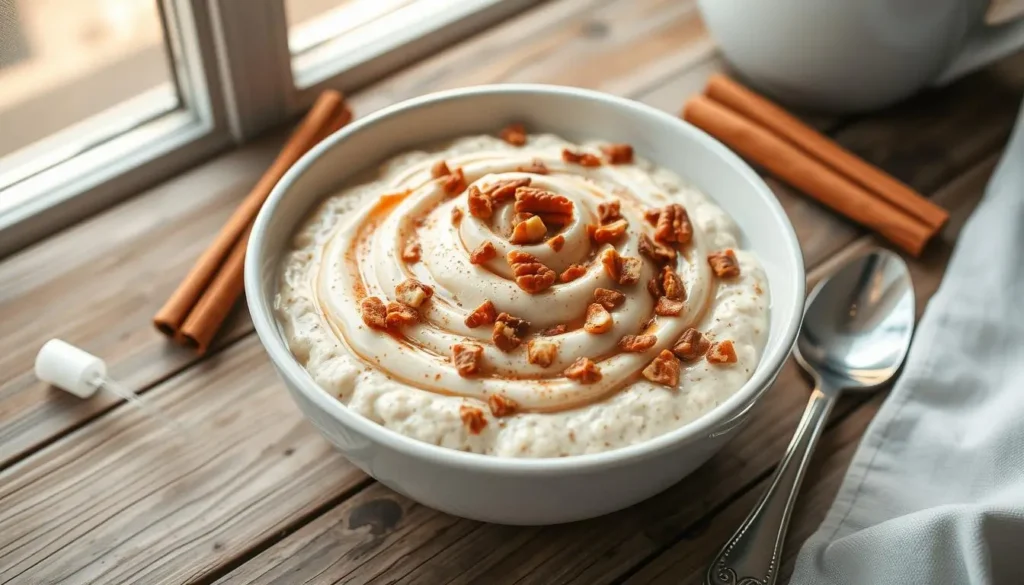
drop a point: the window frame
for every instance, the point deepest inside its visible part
(257, 61)
(94, 175)
(233, 69)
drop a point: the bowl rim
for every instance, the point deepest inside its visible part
(299, 380)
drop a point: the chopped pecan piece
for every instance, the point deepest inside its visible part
(663, 370)
(541, 352)
(691, 346)
(400, 314)
(584, 371)
(411, 252)
(466, 358)
(483, 253)
(543, 203)
(667, 307)
(440, 169)
(672, 285)
(608, 298)
(502, 405)
(531, 275)
(618, 154)
(536, 167)
(551, 331)
(454, 183)
(660, 253)
(509, 332)
(724, 264)
(721, 352)
(637, 343)
(573, 272)
(480, 205)
(530, 231)
(520, 218)
(654, 287)
(456, 214)
(584, 159)
(413, 292)
(514, 134)
(651, 215)
(609, 211)
(621, 269)
(505, 189)
(607, 233)
(557, 242)
(473, 418)
(374, 312)
(599, 320)
(673, 225)
(485, 314)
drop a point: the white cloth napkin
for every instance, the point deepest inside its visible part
(935, 493)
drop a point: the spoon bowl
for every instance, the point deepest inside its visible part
(858, 323)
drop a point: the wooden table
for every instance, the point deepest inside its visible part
(95, 492)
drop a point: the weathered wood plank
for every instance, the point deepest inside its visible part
(686, 562)
(615, 46)
(122, 500)
(590, 552)
(98, 284)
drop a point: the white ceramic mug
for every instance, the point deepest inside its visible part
(855, 55)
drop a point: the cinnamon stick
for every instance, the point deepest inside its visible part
(809, 175)
(783, 124)
(213, 307)
(328, 111)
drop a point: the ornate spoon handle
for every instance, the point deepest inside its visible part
(751, 556)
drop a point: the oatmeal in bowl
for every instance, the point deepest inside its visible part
(524, 324)
(524, 296)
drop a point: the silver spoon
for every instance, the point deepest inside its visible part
(855, 334)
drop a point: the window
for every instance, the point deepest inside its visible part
(96, 98)
(329, 36)
(99, 98)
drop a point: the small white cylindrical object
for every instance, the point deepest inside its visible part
(70, 368)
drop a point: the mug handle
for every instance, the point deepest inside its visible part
(984, 45)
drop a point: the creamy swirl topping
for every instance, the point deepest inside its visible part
(414, 232)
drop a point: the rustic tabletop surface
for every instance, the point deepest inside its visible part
(95, 492)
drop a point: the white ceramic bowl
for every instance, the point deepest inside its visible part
(526, 491)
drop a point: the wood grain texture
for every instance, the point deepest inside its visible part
(98, 284)
(125, 501)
